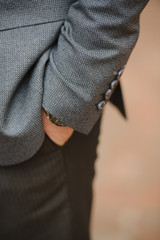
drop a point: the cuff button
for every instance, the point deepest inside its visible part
(120, 72)
(108, 94)
(101, 105)
(114, 84)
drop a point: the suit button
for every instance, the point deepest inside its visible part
(101, 105)
(120, 72)
(108, 94)
(114, 83)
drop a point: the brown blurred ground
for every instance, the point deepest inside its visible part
(127, 184)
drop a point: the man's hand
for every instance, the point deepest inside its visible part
(59, 135)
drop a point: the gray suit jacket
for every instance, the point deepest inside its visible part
(64, 55)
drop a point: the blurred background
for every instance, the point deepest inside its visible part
(126, 203)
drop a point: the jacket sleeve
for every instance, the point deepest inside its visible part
(94, 44)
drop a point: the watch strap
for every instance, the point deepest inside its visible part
(54, 119)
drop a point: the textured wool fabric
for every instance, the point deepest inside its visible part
(62, 55)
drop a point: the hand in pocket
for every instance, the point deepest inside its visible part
(59, 135)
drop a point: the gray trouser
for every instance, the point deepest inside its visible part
(49, 196)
